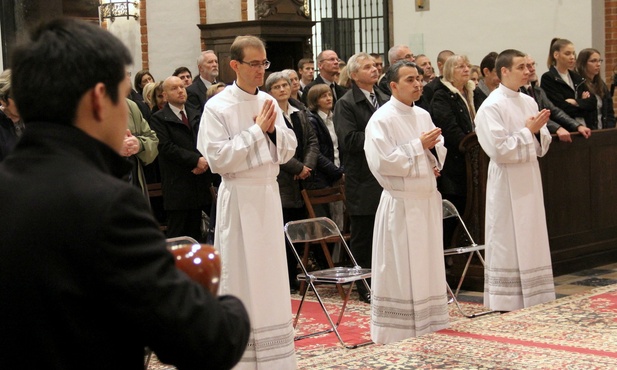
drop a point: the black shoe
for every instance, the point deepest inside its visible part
(365, 297)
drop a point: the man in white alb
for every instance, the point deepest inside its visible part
(514, 134)
(244, 137)
(409, 279)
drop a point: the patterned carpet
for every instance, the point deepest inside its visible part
(575, 332)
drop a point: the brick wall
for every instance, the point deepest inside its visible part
(202, 19)
(143, 25)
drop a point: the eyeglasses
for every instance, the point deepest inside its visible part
(333, 59)
(255, 64)
(596, 60)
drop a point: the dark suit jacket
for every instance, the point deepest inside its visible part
(85, 271)
(558, 118)
(326, 172)
(196, 94)
(340, 90)
(351, 114)
(178, 156)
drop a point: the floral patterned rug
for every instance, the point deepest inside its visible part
(575, 332)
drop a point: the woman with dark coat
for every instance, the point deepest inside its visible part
(328, 171)
(566, 88)
(301, 165)
(453, 109)
(588, 64)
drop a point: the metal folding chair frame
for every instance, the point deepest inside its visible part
(450, 211)
(315, 230)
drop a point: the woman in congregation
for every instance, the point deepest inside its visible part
(453, 109)
(563, 86)
(301, 165)
(142, 78)
(588, 64)
(295, 84)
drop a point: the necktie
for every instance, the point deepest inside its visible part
(184, 119)
(333, 88)
(374, 100)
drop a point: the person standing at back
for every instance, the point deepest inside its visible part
(208, 65)
(244, 138)
(85, 275)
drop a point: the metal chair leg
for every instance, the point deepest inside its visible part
(460, 309)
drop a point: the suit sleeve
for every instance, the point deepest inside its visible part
(180, 320)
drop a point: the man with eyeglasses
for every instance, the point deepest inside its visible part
(328, 64)
(560, 122)
(245, 139)
(396, 53)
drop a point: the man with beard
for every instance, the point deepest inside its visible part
(208, 65)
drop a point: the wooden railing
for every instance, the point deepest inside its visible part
(580, 196)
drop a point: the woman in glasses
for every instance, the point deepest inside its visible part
(588, 64)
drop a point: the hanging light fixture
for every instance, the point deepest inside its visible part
(110, 9)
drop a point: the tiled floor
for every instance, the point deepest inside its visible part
(566, 285)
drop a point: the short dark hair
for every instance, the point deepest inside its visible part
(304, 61)
(393, 74)
(59, 63)
(506, 58)
(488, 62)
(180, 70)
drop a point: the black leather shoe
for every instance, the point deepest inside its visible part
(365, 297)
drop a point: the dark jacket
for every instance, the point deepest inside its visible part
(8, 135)
(352, 113)
(178, 156)
(340, 90)
(84, 271)
(326, 173)
(558, 118)
(450, 113)
(558, 90)
(608, 112)
(196, 94)
(306, 154)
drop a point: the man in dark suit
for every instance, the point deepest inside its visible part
(328, 63)
(352, 113)
(84, 271)
(184, 171)
(208, 65)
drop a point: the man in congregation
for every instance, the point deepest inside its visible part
(396, 53)
(245, 139)
(86, 280)
(352, 113)
(435, 83)
(514, 134)
(208, 65)
(328, 63)
(306, 71)
(185, 173)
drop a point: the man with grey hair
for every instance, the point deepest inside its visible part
(208, 65)
(396, 53)
(352, 113)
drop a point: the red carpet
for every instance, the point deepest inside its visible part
(354, 327)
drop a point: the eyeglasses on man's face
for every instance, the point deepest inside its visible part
(257, 64)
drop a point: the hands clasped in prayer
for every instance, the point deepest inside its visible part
(130, 145)
(534, 124)
(267, 117)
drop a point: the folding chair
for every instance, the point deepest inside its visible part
(450, 211)
(171, 242)
(324, 229)
(325, 196)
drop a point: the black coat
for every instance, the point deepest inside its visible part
(450, 113)
(178, 156)
(558, 91)
(196, 95)
(85, 277)
(351, 114)
(326, 172)
(340, 90)
(306, 155)
(8, 135)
